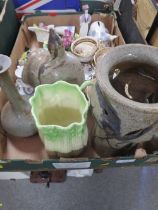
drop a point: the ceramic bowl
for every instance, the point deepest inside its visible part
(99, 53)
(84, 48)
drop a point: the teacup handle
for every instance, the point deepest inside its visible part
(85, 84)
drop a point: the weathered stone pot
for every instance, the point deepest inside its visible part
(121, 120)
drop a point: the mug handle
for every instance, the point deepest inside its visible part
(85, 84)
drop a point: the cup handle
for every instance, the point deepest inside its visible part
(85, 84)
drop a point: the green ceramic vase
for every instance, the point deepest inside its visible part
(57, 138)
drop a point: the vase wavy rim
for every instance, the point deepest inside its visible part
(71, 125)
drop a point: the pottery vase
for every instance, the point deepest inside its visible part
(48, 66)
(65, 140)
(122, 121)
(16, 118)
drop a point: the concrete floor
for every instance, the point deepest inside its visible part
(114, 189)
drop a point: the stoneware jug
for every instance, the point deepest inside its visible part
(16, 115)
(125, 97)
(48, 66)
(60, 112)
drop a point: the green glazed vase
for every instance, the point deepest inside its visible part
(63, 140)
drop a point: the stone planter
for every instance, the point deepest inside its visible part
(122, 120)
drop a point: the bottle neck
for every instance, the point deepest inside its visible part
(7, 85)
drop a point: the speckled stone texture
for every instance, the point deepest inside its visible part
(133, 116)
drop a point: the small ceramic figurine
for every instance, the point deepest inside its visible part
(45, 67)
(85, 20)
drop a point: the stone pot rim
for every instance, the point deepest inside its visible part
(112, 93)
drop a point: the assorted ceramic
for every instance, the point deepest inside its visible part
(84, 48)
(100, 32)
(85, 20)
(16, 118)
(42, 31)
(100, 53)
(126, 110)
(23, 89)
(123, 97)
(48, 66)
(68, 133)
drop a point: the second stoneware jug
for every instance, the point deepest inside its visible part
(125, 97)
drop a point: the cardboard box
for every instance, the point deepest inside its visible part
(145, 15)
(28, 154)
(154, 38)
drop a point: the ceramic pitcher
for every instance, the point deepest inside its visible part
(57, 134)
